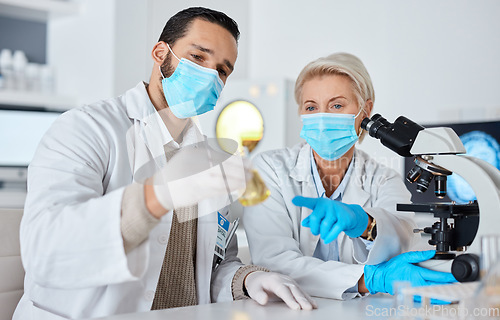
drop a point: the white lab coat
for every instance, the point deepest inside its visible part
(71, 243)
(279, 242)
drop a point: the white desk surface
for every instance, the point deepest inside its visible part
(359, 308)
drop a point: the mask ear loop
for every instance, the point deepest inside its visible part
(362, 109)
(172, 52)
(360, 130)
(170, 49)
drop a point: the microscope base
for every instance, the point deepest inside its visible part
(437, 265)
(465, 267)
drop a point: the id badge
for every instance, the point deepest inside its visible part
(222, 230)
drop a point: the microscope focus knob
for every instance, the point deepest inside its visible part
(465, 267)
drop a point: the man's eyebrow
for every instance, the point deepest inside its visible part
(202, 49)
(211, 52)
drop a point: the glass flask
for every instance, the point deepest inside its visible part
(242, 121)
(256, 190)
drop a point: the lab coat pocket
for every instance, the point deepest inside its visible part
(40, 314)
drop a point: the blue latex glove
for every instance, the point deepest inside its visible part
(433, 301)
(330, 217)
(380, 277)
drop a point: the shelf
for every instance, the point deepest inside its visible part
(36, 100)
(38, 10)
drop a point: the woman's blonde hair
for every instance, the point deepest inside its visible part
(340, 63)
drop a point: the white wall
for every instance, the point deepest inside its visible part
(82, 48)
(100, 52)
(423, 56)
(131, 50)
(430, 60)
(433, 61)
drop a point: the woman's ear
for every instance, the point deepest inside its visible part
(368, 107)
(159, 52)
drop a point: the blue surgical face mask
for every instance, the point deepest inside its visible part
(192, 89)
(330, 135)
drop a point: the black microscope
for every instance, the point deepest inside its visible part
(434, 150)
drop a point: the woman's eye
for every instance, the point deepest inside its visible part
(337, 106)
(310, 108)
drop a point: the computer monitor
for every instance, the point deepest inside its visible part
(20, 134)
(481, 140)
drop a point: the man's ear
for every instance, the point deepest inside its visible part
(159, 52)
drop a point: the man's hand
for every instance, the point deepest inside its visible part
(261, 286)
(196, 173)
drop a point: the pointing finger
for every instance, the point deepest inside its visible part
(300, 201)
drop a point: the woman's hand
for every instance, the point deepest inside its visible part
(330, 217)
(381, 277)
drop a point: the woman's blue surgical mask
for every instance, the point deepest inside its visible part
(192, 89)
(330, 135)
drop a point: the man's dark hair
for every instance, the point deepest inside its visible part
(177, 26)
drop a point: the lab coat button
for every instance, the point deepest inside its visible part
(149, 295)
(163, 239)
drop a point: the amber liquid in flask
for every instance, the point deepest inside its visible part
(256, 190)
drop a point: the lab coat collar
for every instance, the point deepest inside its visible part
(339, 192)
(153, 130)
(354, 191)
(302, 168)
(139, 106)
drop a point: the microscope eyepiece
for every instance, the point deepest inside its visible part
(371, 126)
(366, 124)
(398, 136)
(377, 116)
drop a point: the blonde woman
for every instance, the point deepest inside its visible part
(332, 208)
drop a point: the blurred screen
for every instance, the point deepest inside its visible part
(481, 140)
(20, 133)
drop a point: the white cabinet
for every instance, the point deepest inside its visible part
(38, 10)
(98, 48)
(36, 100)
(12, 191)
(41, 11)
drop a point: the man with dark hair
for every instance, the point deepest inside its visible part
(176, 26)
(127, 201)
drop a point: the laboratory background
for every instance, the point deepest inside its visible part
(435, 62)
